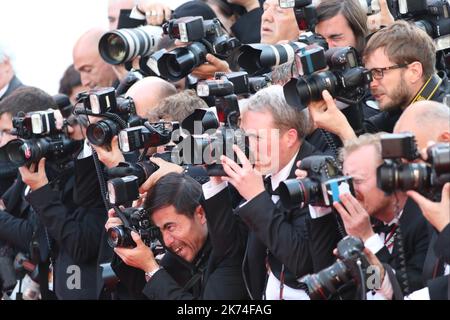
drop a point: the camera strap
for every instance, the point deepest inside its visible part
(398, 294)
(429, 89)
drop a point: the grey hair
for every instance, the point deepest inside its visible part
(285, 117)
(352, 145)
(5, 54)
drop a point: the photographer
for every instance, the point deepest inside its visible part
(64, 235)
(93, 70)
(197, 264)
(273, 232)
(401, 59)
(429, 121)
(18, 223)
(146, 94)
(342, 23)
(399, 235)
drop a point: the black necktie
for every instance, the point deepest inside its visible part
(381, 227)
(268, 186)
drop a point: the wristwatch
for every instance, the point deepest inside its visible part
(149, 275)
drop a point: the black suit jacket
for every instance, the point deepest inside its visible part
(439, 288)
(414, 230)
(14, 84)
(283, 233)
(434, 264)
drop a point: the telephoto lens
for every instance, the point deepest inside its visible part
(121, 46)
(258, 57)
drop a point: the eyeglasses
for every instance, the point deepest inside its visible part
(378, 73)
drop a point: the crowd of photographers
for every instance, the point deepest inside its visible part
(234, 150)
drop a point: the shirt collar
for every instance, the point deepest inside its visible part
(284, 173)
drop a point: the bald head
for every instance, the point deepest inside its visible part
(114, 7)
(148, 92)
(428, 120)
(93, 70)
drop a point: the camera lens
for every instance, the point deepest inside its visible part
(24, 152)
(101, 133)
(295, 193)
(392, 177)
(118, 237)
(323, 285)
(124, 45)
(300, 92)
(177, 64)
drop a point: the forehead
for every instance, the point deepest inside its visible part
(333, 25)
(377, 59)
(257, 120)
(167, 215)
(361, 161)
(85, 55)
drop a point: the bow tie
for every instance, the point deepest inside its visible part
(380, 227)
(268, 187)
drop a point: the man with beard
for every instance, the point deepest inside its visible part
(402, 61)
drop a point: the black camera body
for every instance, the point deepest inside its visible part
(118, 113)
(346, 80)
(38, 137)
(206, 37)
(427, 178)
(352, 265)
(137, 220)
(147, 136)
(432, 16)
(322, 188)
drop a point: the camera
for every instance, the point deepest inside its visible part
(322, 188)
(207, 149)
(200, 122)
(426, 178)
(124, 45)
(350, 269)
(38, 137)
(255, 58)
(432, 16)
(238, 83)
(310, 59)
(147, 136)
(137, 220)
(346, 80)
(177, 64)
(118, 113)
(401, 145)
(103, 100)
(39, 123)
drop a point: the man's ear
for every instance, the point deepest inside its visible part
(200, 214)
(292, 137)
(415, 71)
